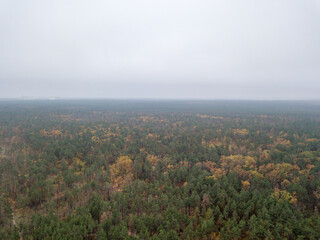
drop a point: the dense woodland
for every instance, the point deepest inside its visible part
(159, 169)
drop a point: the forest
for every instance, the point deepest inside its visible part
(159, 169)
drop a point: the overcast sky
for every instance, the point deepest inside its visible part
(226, 49)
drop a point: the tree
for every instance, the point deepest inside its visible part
(95, 207)
(121, 172)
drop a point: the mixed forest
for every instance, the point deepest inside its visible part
(116, 169)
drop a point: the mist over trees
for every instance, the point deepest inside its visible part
(159, 170)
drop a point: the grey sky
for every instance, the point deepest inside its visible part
(227, 49)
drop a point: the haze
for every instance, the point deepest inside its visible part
(160, 49)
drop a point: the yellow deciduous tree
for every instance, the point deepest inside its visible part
(121, 172)
(282, 195)
(245, 185)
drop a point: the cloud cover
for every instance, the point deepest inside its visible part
(223, 49)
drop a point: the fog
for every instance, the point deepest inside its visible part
(225, 49)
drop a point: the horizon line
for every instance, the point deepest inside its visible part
(52, 98)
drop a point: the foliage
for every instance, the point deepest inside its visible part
(159, 170)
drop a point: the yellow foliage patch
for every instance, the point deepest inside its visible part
(312, 139)
(121, 172)
(241, 132)
(256, 174)
(78, 162)
(153, 160)
(51, 133)
(282, 195)
(245, 185)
